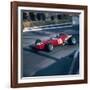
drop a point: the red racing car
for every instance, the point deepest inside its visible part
(60, 39)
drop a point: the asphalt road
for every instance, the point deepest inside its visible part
(63, 60)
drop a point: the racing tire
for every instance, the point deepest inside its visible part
(37, 41)
(72, 41)
(49, 47)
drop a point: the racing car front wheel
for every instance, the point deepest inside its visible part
(49, 47)
(72, 41)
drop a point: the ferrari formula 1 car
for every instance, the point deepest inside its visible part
(60, 39)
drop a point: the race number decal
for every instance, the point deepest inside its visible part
(60, 41)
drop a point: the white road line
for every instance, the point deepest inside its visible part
(39, 29)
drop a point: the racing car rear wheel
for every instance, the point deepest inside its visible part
(72, 41)
(37, 41)
(49, 47)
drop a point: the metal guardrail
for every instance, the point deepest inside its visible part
(55, 25)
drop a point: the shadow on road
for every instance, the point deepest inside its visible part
(45, 53)
(40, 53)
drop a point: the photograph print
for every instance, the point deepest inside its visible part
(50, 43)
